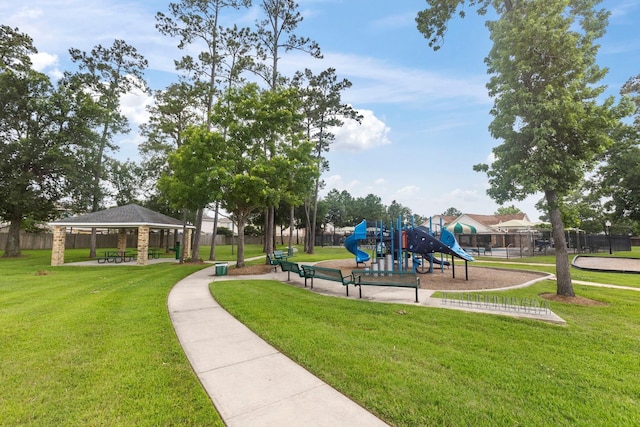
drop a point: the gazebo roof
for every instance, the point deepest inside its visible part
(122, 217)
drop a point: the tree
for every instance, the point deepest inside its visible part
(618, 179)
(338, 204)
(40, 128)
(323, 112)
(508, 210)
(107, 73)
(546, 113)
(126, 180)
(196, 23)
(452, 212)
(175, 109)
(276, 33)
(395, 210)
(197, 170)
(254, 120)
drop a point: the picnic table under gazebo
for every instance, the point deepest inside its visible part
(121, 218)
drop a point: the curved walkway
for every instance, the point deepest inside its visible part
(250, 382)
(607, 264)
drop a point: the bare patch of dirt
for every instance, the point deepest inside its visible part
(577, 300)
(250, 270)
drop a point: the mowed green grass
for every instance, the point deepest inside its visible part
(416, 366)
(93, 346)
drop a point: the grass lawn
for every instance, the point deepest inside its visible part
(416, 366)
(93, 346)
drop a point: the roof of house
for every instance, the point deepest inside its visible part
(489, 220)
(122, 216)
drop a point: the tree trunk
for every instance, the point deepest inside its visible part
(292, 218)
(195, 257)
(240, 256)
(563, 271)
(185, 215)
(212, 251)
(269, 231)
(12, 248)
(307, 229)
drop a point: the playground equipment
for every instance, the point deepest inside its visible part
(399, 243)
(351, 242)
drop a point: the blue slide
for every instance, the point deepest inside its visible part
(351, 242)
(420, 241)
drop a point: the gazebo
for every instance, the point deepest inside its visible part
(122, 218)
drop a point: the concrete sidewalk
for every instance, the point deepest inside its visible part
(250, 382)
(253, 384)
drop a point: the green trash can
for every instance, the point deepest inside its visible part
(177, 250)
(222, 268)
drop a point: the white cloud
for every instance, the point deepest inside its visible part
(133, 105)
(378, 81)
(395, 21)
(354, 136)
(408, 192)
(47, 63)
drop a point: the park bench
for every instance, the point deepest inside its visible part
(400, 279)
(289, 267)
(272, 261)
(332, 274)
(280, 256)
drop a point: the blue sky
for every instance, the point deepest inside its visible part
(426, 113)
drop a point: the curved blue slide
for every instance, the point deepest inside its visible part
(449, 239)
(422, 242)
(351, 242)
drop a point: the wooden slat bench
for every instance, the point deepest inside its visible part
(332, 274)
(289, 267)
(400, 279)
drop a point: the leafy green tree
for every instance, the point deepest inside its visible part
(276, 33)
(224, 56)
(107, 73)
(452, 212)
(508, 210)
(40, 130)
(618, 179)
(323, 113)
(126, 179)
(337, 207)
(196, 172)
(395, 210)
(254, 121)
(546, 112)
(175, 109)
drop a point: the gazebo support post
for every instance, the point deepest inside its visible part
(57, 250)
(143, 245)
